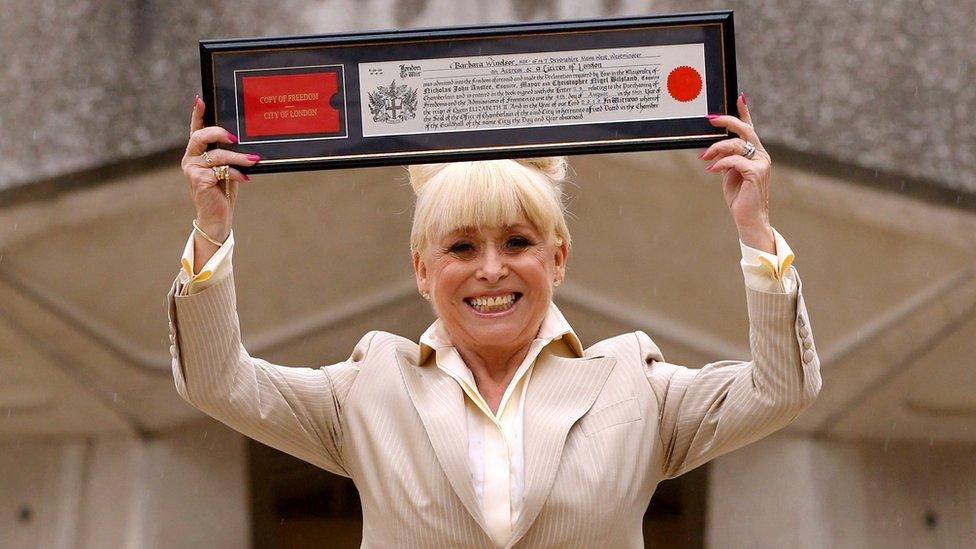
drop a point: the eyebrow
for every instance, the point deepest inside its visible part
(469, 231)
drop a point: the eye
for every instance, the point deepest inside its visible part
(462, 249)
(517, 242)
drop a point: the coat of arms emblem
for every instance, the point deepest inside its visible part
(393, 104)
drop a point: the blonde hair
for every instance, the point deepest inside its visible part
(488, 193)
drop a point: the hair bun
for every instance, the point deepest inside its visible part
(420, 174)
(553, 167)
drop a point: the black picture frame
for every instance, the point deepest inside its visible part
(330, 64)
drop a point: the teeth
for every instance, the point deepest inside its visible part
(485, 304)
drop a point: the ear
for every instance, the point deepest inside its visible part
(420, 269)
(560, 258)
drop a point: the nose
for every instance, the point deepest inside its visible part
(493, 267)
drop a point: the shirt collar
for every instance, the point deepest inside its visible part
(554, 326)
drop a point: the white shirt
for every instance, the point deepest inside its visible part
(495, 445)
(495, 448)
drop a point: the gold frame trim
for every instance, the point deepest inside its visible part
(499, 147)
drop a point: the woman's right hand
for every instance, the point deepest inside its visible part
(215, 209)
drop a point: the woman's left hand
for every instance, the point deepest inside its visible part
(745, 181)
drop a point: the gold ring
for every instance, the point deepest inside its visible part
(222, 173)
(223, 177)
(206, 157)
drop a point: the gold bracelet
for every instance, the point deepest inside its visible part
(205, 235)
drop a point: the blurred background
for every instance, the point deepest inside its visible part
(866, 107)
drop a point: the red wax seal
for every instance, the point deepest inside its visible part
(290, 104)
(684, 83)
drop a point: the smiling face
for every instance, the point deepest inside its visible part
(491, 286)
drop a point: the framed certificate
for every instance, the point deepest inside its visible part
(464, 93)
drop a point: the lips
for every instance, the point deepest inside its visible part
(494, 303)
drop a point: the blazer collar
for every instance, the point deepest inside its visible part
(563, 387)
(554, 326)
(439, 402)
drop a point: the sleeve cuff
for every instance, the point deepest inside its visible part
(767, 272)
(217, 267)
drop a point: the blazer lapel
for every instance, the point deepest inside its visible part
(440, 402)
(559, 392)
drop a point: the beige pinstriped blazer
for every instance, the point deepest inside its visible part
(601, 430)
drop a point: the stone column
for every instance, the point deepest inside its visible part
(186, 488)
(794, 491)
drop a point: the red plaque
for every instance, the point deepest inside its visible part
(290, 104)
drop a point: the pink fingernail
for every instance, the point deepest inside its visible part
(196, 100)
(711, 116)
(231, 137)
(246, 178)
(253, 157)
(744, 98)
(701, 155)
(709, 168)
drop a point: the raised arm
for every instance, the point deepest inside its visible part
(724, 405)
(297, 410)
(706, 412)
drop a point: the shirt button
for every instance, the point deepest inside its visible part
(804, 332)
(807, 344)
(801, 321)
(808, 356)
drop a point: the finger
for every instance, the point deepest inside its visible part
(742, 129)
(224, 156)
(237, 176)
(735, 162)
(743, 109)
(206, 177)
(196, 117)
(202, 138)
(723, 148)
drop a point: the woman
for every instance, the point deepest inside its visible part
(498, 429)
